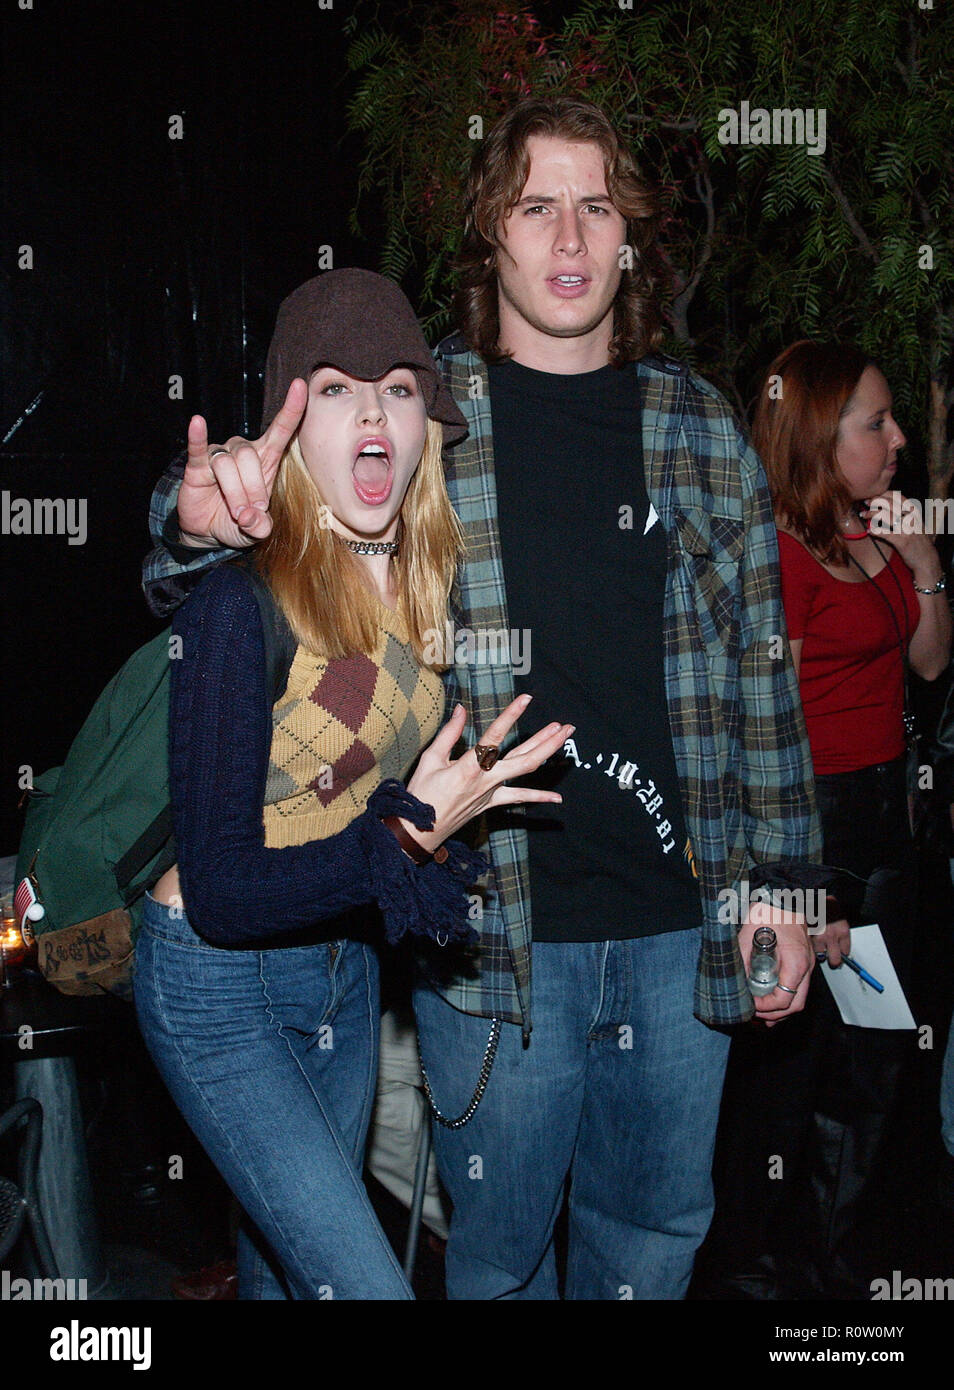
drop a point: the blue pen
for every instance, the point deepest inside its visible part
(868, 979)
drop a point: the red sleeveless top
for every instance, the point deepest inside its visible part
(851, 673)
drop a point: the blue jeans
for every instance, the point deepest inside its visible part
(619, 1089)
(271, 1056)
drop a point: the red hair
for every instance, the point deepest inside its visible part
(806, 392)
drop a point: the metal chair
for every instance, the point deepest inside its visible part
(417, 1199)
(20, 1213)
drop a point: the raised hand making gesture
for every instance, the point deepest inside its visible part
(226, 489)
(461, 788)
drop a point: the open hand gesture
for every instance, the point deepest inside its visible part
(460, 789)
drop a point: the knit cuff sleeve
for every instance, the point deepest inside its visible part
(428, 900)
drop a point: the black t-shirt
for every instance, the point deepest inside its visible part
(584, 562)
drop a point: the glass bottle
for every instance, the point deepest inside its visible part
(763, 965)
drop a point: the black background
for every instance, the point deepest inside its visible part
(151, 257)
(155, 257)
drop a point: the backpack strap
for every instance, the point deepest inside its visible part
(148, 845)
(280, 642)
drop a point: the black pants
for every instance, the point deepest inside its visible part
(807, 1103)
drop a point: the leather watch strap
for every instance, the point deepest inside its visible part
(410, 846)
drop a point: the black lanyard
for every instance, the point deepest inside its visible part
(908, 714)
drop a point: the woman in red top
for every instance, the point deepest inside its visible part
(862, 590)
(861, 584)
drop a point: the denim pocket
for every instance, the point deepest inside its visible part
(171, 924)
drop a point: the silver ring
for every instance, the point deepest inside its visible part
(786, 989)
(214, 453)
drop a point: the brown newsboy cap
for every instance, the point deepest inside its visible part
(362, 324)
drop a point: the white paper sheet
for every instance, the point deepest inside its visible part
(857, 1002)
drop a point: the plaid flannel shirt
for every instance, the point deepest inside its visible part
(738, 735)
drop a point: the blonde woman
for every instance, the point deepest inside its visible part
(300, 849)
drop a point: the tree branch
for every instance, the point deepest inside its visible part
(680, 305)
(924, 210)
(861, 235)
(690, 124)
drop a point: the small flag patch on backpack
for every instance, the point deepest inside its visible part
(28, 908)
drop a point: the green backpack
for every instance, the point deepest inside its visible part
(98, 830)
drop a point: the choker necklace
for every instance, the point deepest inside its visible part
(372, 547)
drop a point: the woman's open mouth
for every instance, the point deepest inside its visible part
(372, 473)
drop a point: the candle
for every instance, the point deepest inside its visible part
(12, 946)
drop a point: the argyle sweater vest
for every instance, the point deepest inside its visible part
(342, 727)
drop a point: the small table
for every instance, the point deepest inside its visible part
(38, 1027)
